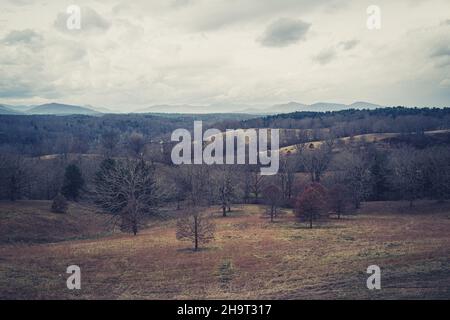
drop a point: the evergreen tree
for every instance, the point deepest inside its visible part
(73, 182)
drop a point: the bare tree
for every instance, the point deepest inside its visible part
(181, 185)
(195, 227)
(314, 160)
(193, 186)
(408, 173)
(109, 140)
(353, 171)
(128, 190)
(246, 184)
(273, 197)
(52, 177)
(436, 170)
(225, 189)
(256, 184)
(286, 175)
(14, 176)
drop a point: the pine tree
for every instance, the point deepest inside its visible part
(73, 182)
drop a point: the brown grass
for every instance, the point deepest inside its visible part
(368, 137)
(33, 222)
(250, 258)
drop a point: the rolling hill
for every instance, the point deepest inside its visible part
(250, 258)
(185, 109)
(8, 111)
(61, 109)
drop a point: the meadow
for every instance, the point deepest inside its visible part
(250, 258)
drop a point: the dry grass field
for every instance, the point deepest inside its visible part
(369, 137)
(250, 258)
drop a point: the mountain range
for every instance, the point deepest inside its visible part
(66, 109)
(47, 109)
(4, 109)
(258, 110)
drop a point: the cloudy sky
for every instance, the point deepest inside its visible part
(133, 54)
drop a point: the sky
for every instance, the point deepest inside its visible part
(129, 55)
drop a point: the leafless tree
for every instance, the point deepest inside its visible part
(353, 172)
(52, 175)
(408, 173)
(180, 185)
(225, 188)
(273, 196)
(109, 141)
(195, 227)
(256, 184)
(246, 184)
(314, 160)
(436, 172)
(128, 190)
(14, 176)
(286, 175)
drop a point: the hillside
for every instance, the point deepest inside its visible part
(315, 107)
(250, 258)
(369, 138)
(33, 222)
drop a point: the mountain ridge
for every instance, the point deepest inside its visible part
(7, 110)
(61, 109)
(55, 108)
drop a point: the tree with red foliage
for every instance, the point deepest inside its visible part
(339, 199)
(311, 203)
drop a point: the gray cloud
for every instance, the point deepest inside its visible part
(348, 45)
(21, 36)
(442, 55)
(16, 89)
(445, 83)
(284, 32)
(325, 56)
(144, 52)
(21, 2)
(211, 15)
(37, 84)
(441, 51)
(91, 21)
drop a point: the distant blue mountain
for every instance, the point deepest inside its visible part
(8, 111)
(61, 109)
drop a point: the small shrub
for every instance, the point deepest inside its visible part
(59, 204)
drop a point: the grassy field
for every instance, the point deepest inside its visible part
(369, 137)
(250, 258)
